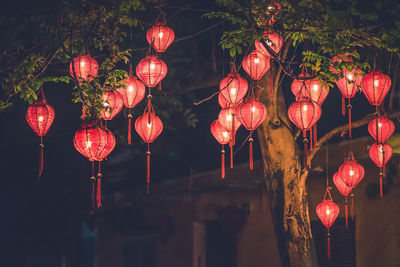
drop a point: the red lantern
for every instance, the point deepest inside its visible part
(351, 171)
(132, 94)
(375, 85)
(380, 155)
(83, 67)
(381, 129)
(223, 137)
(251, 113)
(298, 89)
(151, 70)
(317, 89)
(256, 65)
(222, 101)
(343, 190)
(160, 36)
(233, 87)
(327, 212)
(149, 127)
(40, 117)
(228, 119)
(112, 102)
(273, 40)
(90, 140)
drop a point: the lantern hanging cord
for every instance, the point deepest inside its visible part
(327, 163)
(242, 145)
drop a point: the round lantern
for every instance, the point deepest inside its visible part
(343, 190)
(40, 117)
(223, 137)
(304, 113)
(273, 40)
(151, 70)
(327, 212)
(89, 140)
(160, 36)
(375, 85)
(351, 172)
(233, 88)
(381, 129)
(228, 119)
(251, 113)
(317, 89)
(256, 65)
(112, 102)
(132, 94)
(222, 101)
(298, 89)
(83, 67)
(380, 155)
(149, 127)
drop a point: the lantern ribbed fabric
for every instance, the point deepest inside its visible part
(317, 89)
(233, 88)
(304, 113)
(343, 190)
(381, 129)
(113, 103)
(380, 154)
(90, 140)
(148, 126)
(151, 70)
(351, 172)
(348, 83)
(85, 67)
(256, 65)
(375, 85)
(273, 40)
(108, 147)
(222, 101)
(251, 113)
(223, 137)
(228, 119)
(298, 89)
(160, 36)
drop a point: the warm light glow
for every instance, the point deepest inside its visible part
(83, 63)
(225, 134)
(305, 108)
(315, 87)
(233, 91)
(328, 211)
(130, 88)
(152, 66)
(351, 172)
(350, 77)
(88, 144)
(269, 43)
(379, 124)
(40, 118)
(105, 104)
(229, 117)
(160, 35)
(253, 109)
(149, 125)
(270, 7)
(381, 148)
(256, 60)
(376, 83)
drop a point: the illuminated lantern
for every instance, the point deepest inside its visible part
(380, 155)
(381, 129)
(298, 88)
(83, 67)
(149, 127)
(327, 212)
(317, 89)
(151, 70)
(251, 113)
(222, 101)
(272, 10)
(351, 171)
(113, 103)
(132, 94)
(40, 117)
(256, 65)
(375, 85)
(273, 40)
(233, 87)
(229, 121)
(160, 36)
(343, 190)
(223, 137)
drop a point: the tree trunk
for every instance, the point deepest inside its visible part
(285, 181)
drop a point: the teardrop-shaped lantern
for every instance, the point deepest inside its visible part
(304, 113)
(351, 171)
(349, 82)
(160, 36)
(298, 88)
(317, 89)
(151, 70)
(113, 103)
(375, 85)
(83, 68)
(233, 88)
(89, 140)
(380, 154)
(256, 65)
(272, 40)
(40, 117)
(381, 129)
(343, 190)
(222, 101)
(108, 147)
(228, 119)
(223, 137)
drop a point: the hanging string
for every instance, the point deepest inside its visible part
(251, 151)
(148, 169)
(93, 181)
(222, 162)
(41, 158)
(98, 196)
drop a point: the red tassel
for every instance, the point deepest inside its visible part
(352, 206)
(251, 153)
(231, 147)
(129, 129)
(148, 172)
(315, 134)
(92, 180)
(159, 86)
(305, 148)
(328, 246)
(346, 214)
(98, 195)
(233, 130)
(41, 159)
(380, 185)
(223, 163)
(343, 106)
(350, 122)
(311, 138)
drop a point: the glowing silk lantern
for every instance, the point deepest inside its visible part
(229, 121)
(327, 212)
(351, 171)
(113, 103)
(83, 68)
(149, 127)
(40, 117)
(223, 137)
(298, 89)
(343, 190)
(381, 129)
(132, 94)
(160, 36)
(317, 89)
(233, 88)
(222, 101)
(251, 113)
(375, 85)
(151, 70)
(273, 40)
(256, 65)
(380, 154)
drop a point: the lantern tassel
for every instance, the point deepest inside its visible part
(343, 106)
(92, 180)
(352, 206)
(231, 147)
(315, 134)
(148, 172)
(159, 86)
(346, 213)
(311, 138)
(129, 129)
(380, 186)
(349, 107)
(41, 159)
(98, 192)
(223, 163)
(251, 153)
(328, 245)
(305, 141)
